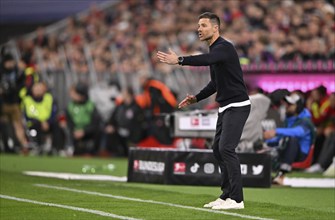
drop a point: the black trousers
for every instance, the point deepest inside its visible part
(327, 152)
(290, 154)
(229, 129)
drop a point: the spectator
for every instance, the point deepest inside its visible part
(314, 102)
(326, 114)
(276, 113)
(126, 125)
(157, 99)
(252, 135)
(317, 97)
(41, 39)
(102, 94)
(40, 110)
(327, 152)
(295, 139)
(83, 121)
(326, 155)
(11, 79)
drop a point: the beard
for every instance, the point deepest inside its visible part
(289, 114)
(208, 38)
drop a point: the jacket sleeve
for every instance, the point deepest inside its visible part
(217, 55)
(297, 131)
(207, 91)
(273, 141)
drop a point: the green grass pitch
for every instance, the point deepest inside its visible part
(79, 199)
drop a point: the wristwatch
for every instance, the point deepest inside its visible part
(180, 60)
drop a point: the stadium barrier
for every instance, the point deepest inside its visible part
(193, 167)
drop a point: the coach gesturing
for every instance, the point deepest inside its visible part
(227, 81)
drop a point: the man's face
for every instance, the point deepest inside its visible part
(290, 109)
(76, 97)
(9, 64)
(38, 90)
(206, 29)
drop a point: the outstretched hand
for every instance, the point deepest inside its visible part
(169, 58)
(188, 100)
(269, 134)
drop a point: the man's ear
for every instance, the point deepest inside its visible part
(216, 27)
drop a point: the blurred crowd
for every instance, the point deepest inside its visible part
(32, 121)
(123, 40)
(126, 37)
(296, 128)
(298, 125)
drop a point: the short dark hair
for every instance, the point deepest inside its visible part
(212, 17)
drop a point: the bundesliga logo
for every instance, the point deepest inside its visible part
(179, 168)
(149, 166)
(195, 121)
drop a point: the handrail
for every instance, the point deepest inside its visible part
(120, 74)
(89, 60)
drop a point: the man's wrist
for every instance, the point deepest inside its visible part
(180, 60)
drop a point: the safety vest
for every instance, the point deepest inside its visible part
(40, 111)
(81, 114)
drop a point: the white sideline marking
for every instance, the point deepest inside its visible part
(310, 182)
(72, 176)
(92, 211)
(149, 201)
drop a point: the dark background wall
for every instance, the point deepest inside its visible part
(23, 16)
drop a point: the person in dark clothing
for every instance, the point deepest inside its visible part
(125, 125)
(11, 79)
(227, 81)
(327, 122)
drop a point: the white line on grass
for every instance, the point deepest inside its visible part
(96, 212)
(149, 201)
(72, 176)
(310, 182)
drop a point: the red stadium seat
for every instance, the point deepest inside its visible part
(307, 162)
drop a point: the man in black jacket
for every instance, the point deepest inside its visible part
(125, 125)
(227, 82)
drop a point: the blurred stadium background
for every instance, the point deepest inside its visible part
(110, 45)
(282, 44)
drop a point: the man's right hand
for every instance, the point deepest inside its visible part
(188, 100)
(269, 134)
